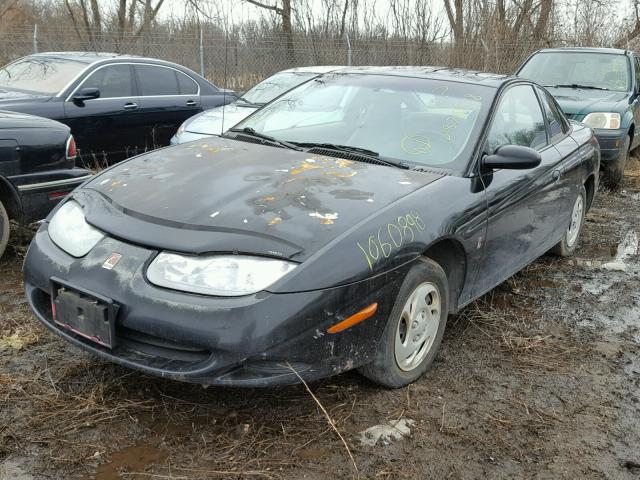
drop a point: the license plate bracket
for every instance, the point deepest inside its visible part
(85, 313)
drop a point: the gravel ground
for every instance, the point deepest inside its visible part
(540, 378)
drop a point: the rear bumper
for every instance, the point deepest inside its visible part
(40, 192)
(611, 142)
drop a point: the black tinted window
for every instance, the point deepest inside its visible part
(112, 81)
(518, 120)
(187, 86)
(157, 80)
(555, 122)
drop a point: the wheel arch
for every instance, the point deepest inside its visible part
(10, 199)
(450, 255)
(590, 187)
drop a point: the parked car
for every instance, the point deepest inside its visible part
(339, 242)
(217, 120)
(37, 168)
(597, 86)
(116, 105)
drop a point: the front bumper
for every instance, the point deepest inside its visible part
(40, 192)
(611, 143)
(241, 341)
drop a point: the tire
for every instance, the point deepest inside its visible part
(4, 229)
(392, 365)
(614, 171)
(567, 246)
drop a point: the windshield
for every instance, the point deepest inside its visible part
(276, 85)
(412, 120)
(39, 74)
(599, 70)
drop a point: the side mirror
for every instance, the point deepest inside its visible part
(86, 94)
(512, 157)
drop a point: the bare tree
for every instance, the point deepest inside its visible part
(284, 12)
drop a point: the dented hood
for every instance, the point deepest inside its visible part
(222, 195)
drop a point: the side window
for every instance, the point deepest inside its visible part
(555, 122)
(112, 81)
(518, 120)
(157, 80)
(186, 84)
(637, 65)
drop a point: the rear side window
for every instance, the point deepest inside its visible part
(157, 80)
(186, 84)
(555, 123)
(112, 81)
(637, 66)
(518, 120)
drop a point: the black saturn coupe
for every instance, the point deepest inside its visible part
(335, 228)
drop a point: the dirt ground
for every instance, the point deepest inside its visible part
(538, 379)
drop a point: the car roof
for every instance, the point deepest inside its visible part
(436, 73)
(615, 51)
(84, 57)
(313, 69)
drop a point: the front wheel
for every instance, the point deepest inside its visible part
(569, 242)
(415, 327)
(4, 229)
(614, 171)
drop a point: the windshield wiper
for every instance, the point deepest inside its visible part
(244, 100)
(362, 152)
(577, 85)
(251, 132)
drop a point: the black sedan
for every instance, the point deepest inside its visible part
(335, 228)
(116, 105)
(37, 168)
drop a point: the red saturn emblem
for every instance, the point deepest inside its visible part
(111, 261)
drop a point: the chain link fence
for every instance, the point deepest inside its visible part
(237, 62)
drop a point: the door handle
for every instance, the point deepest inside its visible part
(556, 175)
(130, 106)
(191, 103)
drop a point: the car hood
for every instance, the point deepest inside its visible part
(219, 119)
(222, 195)
(575, 101)
(13, 96)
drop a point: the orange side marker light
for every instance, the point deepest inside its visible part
(354, 319)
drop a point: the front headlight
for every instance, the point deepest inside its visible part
(602, 120)
(69, 230)
(223, 275)
(181, 128)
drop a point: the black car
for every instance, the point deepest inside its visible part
(597, 86)
(37, 168)
(335, 228)
(116, 105)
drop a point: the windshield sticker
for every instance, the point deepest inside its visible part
(391, 237)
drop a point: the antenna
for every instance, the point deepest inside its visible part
(224, 93)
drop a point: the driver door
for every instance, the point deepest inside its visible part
(523, 205)
(108, 128)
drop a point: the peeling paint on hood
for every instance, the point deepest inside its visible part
(244, 189)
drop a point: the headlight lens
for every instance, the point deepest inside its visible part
(181, 128)
(223, 275)
(602, 120)
(69, 230)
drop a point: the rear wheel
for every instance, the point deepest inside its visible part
(569, 242)
(614, 171)
(415, 327)
(4, 229)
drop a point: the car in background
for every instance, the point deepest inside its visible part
(597, 86)
(116, 105)
(219, 119)
(287, 250)
(37, 168)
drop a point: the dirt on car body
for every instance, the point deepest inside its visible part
(540, 378)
